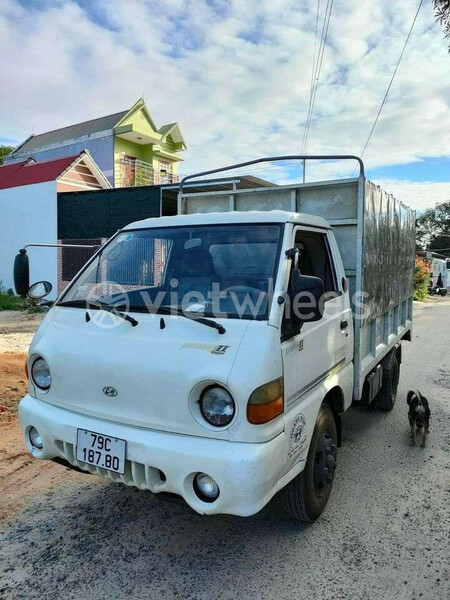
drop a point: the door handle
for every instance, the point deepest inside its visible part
(344, 325)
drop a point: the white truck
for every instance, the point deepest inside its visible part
(210, 355)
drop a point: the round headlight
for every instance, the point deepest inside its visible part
(40, 373)
(217, 406)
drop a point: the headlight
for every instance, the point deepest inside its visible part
(40, 373)
(217, 406)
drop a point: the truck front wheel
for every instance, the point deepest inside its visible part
(306, 496)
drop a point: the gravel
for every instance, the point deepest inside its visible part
(385, 533)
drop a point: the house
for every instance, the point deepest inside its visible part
(29, 209)
(127, 146)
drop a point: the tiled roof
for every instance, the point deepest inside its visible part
(27, 173)
(68, 133)
(166, 128)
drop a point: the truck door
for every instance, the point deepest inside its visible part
(324, 346)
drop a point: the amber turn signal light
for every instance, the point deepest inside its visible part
(266, 402)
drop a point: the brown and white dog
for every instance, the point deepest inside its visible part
(419, 415)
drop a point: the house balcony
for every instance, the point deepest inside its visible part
(133, 172)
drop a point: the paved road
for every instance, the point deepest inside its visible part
(385, 533)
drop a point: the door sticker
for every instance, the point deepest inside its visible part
(218, 349)
(296, 347)
(298, 435)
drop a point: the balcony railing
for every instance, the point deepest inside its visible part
(134, 172)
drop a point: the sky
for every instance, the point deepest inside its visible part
(236, 76)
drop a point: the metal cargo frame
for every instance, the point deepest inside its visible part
(376, 237)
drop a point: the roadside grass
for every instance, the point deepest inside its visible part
(9, 301)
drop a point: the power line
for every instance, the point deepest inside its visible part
(322, 45)
(315, 79)
(319, 69)
(392, 78)
(313, 71)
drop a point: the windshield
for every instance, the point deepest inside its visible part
(209, 270)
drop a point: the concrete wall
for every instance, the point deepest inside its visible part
(29, 214)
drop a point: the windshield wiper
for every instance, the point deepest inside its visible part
(113, 310)
(73, 303)
(169, 310)
(166, 310)
(102, 305)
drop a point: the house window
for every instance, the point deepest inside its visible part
(165, 172)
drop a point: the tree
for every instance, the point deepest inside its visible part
(433, 228)
(442, 13)
(4, 151)
(422, 278)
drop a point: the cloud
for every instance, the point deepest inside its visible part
(235, 75)
(417, 195)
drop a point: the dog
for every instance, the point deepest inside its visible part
(419, 415)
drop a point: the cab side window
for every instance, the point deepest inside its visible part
(314, 258)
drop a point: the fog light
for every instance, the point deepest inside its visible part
(206, 488)
(35, 438)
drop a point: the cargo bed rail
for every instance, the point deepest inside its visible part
(302, 157)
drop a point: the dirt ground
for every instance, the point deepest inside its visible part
(17, 330)
(20, 475)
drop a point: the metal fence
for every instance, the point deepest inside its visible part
(73, 259)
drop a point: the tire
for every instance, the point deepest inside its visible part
(306, 496)
(443, 292)
(391, 375)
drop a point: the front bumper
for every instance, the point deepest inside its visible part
(248, 475)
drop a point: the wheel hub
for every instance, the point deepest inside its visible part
(325, 463)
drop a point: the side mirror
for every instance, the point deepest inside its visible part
(40, 290)
(307, 296)
(22, 274)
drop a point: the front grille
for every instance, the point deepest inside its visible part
(136, 474)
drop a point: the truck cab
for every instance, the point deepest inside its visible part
(215, 359)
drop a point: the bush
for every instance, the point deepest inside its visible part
(422, 280)
(9, 301)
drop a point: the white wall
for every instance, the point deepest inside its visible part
(440, 267)
(29, 214)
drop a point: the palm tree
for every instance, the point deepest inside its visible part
(442, 12)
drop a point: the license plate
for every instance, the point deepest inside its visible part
(101, 450)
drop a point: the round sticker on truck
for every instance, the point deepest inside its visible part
(298, 435)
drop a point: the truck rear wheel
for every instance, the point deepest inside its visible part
(306, 496)
(391, 374)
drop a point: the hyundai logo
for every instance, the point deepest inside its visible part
(110, 391)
